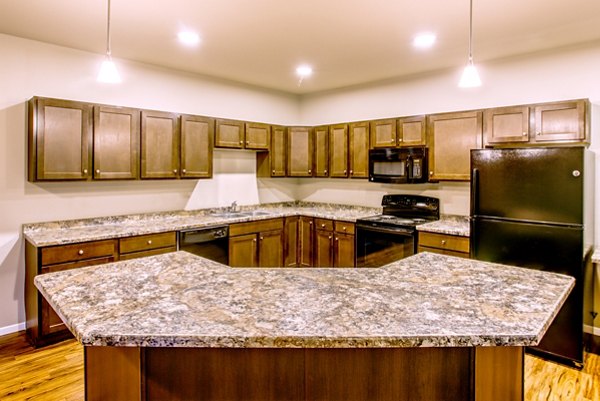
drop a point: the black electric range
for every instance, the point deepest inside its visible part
(392, 235)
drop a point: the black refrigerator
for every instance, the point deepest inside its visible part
(533, 208)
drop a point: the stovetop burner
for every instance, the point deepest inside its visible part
(405, 211)
(394, 220)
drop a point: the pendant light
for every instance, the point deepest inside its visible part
(470, 76)
(108, 70)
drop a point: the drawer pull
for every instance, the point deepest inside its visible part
(323, 225)
(80, 252)
(344, 228)
(443, 242)
(149, 242)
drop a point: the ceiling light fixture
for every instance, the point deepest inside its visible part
(108, 70)
(188, 38)
(424, 40)
(303, 71)
(470, 76)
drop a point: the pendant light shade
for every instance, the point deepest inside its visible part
(108, 70)
(470, 76)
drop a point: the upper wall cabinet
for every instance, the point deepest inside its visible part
(411, 131)
(358, 146)
(322, 159)
(229, 134)
(197, 135)
(160, 145)
(273, 163)
(537, 124)
(257, 136)
(383, 133)
(338, 150)
(450, 137)
(116, 143)
(60, 140)
(299, 152)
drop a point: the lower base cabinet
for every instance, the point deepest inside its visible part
(256, 244)
(334, 244)
(446, 244)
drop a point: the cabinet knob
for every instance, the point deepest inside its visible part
(97, 171)
(330, 237)
(273, 172)
(345, 171)
(443, 242)
(539, 133)
(149, 242)
(399, 140)
(183, 171)
(431, 173)
(344, 228)
(351, 172)
(322, 225)
(247, 142)
(337, 239)
(80, 252)
(576, 173)
(391, 140)
(262, 238)
(175, 171)
(324, 171)
(254, 240)
(310, 223)
(309, 171)
(524, 133)
(85, 171)
(241, 142)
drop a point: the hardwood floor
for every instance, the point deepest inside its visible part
(55, 373)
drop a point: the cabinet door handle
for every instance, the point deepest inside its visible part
(183, 171)
(524, 133)
(431, 173)
(322, 225)
(443, 242)
(330, 237)
(310, 223)
(399, 140)
(324, 171)
(344, 228)
(309, 171)
(80, 252)
(337, 239)
(149, 242)
(351, 172)
(254, 240)
(97, 171)
(241, 142)
(85, 171)
(175, 171)
(262, 238)
(345, 171)
(273, 172)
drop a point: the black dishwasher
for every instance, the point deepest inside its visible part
(209, 242)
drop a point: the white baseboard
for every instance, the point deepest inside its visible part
(591, 330)
(12, 329)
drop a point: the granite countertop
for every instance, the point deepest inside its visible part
(426, 300)
(448, 224)
(596, 256)
(73, 231)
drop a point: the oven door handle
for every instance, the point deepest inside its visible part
(388, 230)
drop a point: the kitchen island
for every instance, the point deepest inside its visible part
(428, 327)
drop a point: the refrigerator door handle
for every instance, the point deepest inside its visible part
(474, 191)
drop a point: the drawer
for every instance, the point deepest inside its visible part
(147, 242)
(344, 227)
(255, 226)
(76, 252)
(444, 241)
(444, 252)
(151, 252)
(324, 224)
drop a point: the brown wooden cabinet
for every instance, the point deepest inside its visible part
(60, 140)
(273, 162)
(334, 244)
(116, 143)
(256, 244)
(43, 324)
(506, 125)
(229, 133)
(290, 241)
(147, 245)
(160, 145)
(257, 136)
(338, 151)
(299, 152)
(197, 134)
(383, 133)
(322, 157)
(450, 137)
(299, 241)
(358, 148)
(411, 131)
(446, 244)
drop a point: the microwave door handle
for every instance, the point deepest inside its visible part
(408, 168)
(474, 192)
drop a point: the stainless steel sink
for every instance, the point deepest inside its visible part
(249, 213)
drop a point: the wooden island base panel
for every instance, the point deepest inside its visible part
(294, 374)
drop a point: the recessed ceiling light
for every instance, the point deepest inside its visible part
(424, 40)
(304, 71)
(188, 38)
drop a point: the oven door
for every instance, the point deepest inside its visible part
(378, 246)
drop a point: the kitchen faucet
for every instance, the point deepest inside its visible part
(233, 207)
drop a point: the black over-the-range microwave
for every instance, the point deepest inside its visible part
(398, 165)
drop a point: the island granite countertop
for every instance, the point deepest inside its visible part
(426, 300)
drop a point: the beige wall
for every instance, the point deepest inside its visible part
(31, 68)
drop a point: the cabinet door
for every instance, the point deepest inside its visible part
(299, 152)
(60, 140)
(116, 143)
(257, 136)
(359, 150)
(197, 135)
(344, 250)
(270, 248)
(306, 234)
(339, 151)
(321, 168)
(229, 134)
(506, 125)
(383, 133)
(290, 238)
(243, 251)
(561, 121)
(323, 256)
(160, 145)
(412, 131)
(450, 137)
(277, 152)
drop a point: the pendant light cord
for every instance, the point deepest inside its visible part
(470, 31)
(108, 32)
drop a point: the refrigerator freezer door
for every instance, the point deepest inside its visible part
(542, 247)
(534, 184)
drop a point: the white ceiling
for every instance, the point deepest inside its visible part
(348, 42)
